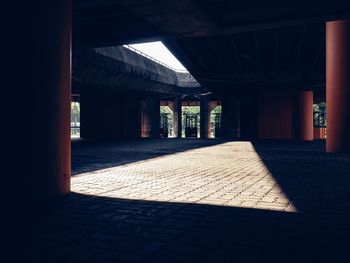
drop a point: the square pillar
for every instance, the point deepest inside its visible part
(150, 117)
(305, 110)
(178, 118)
(204, 118)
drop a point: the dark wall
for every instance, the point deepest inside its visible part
(106, 116)
(275, 114)
(230, 117)
(249, 112)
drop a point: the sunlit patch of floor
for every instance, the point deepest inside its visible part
(227, 174)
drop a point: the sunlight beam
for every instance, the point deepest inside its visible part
(227, 174)
(159, 51)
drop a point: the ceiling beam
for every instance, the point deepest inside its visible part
(198, 58)
(300, 46)
(181, 23)
(276, 24)
(235, 52)
(190, 18)
(257, 51)
(177, 51)
(284, 76)
(217, 55)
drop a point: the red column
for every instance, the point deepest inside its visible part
(306, 127)
(50, 106)
(150, 117)
(338, 86)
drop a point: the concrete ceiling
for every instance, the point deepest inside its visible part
(117, 68)
(112, 22)
(279, 57)
(227, 46)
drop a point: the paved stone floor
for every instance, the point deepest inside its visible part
(200, 201)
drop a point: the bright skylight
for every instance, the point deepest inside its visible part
(158, 51)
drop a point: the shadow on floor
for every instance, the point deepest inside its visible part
(312, 179)
(90, 155)
(85, 228)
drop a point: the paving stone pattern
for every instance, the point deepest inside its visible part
(200, 201)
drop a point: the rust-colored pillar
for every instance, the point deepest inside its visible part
(150, 120)
(306, 126)
(50, 108)
(338, 86)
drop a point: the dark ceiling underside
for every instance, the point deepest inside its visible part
(274, 57)
(223, 44)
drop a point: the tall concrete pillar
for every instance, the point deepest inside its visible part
(150, 119)
(204, 118)
(50, 107)
(305, 116)
(178, 118)
(338, 86)
(230, 118)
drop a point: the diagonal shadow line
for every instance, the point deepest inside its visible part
(316, 182)
(313, 181)
(93, 155)
(97, 229)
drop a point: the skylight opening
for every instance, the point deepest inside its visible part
(160, 53)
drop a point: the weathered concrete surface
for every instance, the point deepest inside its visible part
(119, 67)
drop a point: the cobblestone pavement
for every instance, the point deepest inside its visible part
(200, 201)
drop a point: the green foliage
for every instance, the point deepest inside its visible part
(75, 112)
(165, 110)
(190, 110)
(216, 110)
(320, 106)
(320, 114)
